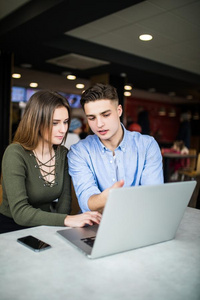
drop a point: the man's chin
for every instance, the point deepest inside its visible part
(103, 137)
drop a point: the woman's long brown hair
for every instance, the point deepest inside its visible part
(38, 117)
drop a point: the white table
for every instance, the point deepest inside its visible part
(166, 271)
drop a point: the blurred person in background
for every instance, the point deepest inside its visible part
(184, 132)
(135, 127)
(75, 130)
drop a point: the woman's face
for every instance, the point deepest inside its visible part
(60, 126)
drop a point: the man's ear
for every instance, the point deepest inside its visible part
(120, 110)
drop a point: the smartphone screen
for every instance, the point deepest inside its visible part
(33, 243)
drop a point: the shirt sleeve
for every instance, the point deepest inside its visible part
(14, 181)
(152, 172)
(83, 175)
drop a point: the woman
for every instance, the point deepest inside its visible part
(35, 170)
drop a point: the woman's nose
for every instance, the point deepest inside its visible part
(63, 127)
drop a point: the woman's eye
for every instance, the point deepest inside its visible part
(66, 122)
(55, 123)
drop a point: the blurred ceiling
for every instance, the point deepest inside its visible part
(89, 38)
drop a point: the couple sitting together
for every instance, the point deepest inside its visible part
(37, 168)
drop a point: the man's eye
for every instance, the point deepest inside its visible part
(106, 115)
(91, 118)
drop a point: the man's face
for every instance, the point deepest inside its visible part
(104, 118)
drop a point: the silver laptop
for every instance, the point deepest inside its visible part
(134, 217)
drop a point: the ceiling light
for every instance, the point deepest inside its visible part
(71, 77)
(145, 37)
(189, 97)
(128, 87)
(127, 94)
(33, 84)
(80, 86)
(16, 75)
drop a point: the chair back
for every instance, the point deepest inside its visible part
(198, 164)
(192, 164)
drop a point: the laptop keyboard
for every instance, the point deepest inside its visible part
(89, 241)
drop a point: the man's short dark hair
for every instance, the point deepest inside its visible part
(99, 91)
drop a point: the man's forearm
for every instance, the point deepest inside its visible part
(97, 202)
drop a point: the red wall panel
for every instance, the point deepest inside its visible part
(165, 126)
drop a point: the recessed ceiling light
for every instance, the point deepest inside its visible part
(80, 86)
(33, 84)
(145, 37)
(127, 94)
(71, 77)
(16, 75)
(128, 87)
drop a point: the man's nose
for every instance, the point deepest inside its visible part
(100, 122)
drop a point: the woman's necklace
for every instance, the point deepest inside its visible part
(47, 170)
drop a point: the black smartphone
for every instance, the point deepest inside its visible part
(33, 243)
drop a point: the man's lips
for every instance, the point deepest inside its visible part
(102, 132)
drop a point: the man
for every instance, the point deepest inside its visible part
(184, 132)
(113, 157)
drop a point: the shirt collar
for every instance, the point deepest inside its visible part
(122, 145)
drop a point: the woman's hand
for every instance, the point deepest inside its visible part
(87, 218)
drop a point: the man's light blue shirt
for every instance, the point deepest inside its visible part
(93, 169)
